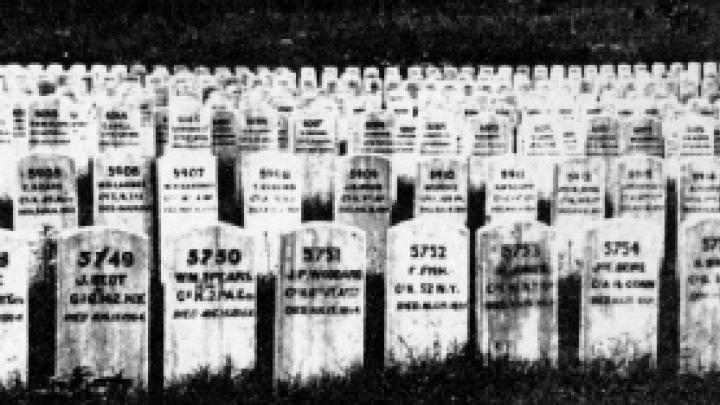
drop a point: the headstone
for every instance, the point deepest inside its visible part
(578, 199)
(184, 85)
(127, 127)
(624, 71)
(315, 132)
(406, 127)
(258, 128)
(320, 302)
(209, 274)
(362, 199)
(285, 106)
(15, 265)
(427, 287)
(351, 122)
(511, 188)
(61, 125)
(315, 139)
(123, 194)
(640, 68)
(557, 73)
(372, 91)
(699, 255)
(47, 197)
(602, 134)
(640, 188)
(329, 73)
(187, 190)
(579, 191)
(224, 128)
(539, 135)
(13, 128)
(709, 69)
(308, 78)
(20, 123)
(189, 124)
(571, 131)
(574, 72)
(517, 291)
(103, 282)
(540, 73)
(690, 135)
(521, 81)
(620, 285)
(271, 186)
(376, 133)
(162, 136)
(642, 135)
(439, 134)
(699, 188)
(441, 189)
(414, 73)
(489, 135)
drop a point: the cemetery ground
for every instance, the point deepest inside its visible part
(458, 379)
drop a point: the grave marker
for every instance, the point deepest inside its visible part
(690, 135)
(620, 287)
(258, 128)
(61, 125)
(489, 135)
(539, 135)
(602, 133)
(579, 198)
(320, 302)
(47, 196)
(15, 265)
(579, 191)
(441, 189)
(439, 134)
(189, 124)
(315, 142)
(511, 188)
(376, 134)
(699, 280)
(127, 127)
(224, 127)
(699, 188)
(123, 194)
(517, 291)
(271, 188)
(642, 135)
(102, 303)
(640, 188)
(362, 199)
(13, 128)
(427, 287)
(187, 190)
(209, 275)
(406, 127)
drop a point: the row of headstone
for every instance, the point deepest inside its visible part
(135, 126)
(271, 188)
(209, 276)
(366, 80)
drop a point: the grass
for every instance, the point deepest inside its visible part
(456, 380)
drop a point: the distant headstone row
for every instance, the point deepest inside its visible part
(608, 111)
